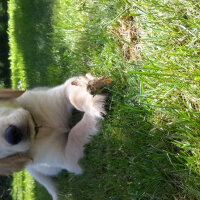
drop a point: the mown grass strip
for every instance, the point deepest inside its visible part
(29, 42)
(23, 186)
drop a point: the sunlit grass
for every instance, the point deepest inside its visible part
(23, 186)
(149, 145)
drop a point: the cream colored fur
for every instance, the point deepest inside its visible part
(52, 149)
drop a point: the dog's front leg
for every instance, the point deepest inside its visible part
(82, 93)
(46, 181)
(78, 137)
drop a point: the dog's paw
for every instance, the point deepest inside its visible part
(74, 168)
(94, 85)
(99, 102)
(78, 170)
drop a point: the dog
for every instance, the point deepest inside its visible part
(34, 128)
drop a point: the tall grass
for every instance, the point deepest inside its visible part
(149, 145)
(169, 77)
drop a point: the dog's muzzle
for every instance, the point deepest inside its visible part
(14, 134)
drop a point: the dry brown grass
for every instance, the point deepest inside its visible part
(127, 32)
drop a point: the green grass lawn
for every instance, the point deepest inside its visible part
(149, 144)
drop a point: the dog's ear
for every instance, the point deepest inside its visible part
(14, 163)
(10, 94)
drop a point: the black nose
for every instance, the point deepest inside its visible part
(13, 135)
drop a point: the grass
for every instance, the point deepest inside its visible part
(26, 183)
(149, 144)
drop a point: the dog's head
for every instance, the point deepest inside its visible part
(16, 133)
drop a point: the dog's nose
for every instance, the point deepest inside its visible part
(13, 135)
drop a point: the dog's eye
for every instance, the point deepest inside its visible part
(13, 135)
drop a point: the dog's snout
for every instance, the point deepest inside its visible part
(13, 135)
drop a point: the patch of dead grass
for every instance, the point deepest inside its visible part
(127, 32)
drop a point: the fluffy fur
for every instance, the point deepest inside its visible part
(55, 147)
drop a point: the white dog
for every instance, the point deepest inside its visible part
(35, 133)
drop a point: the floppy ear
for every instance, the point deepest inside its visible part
(10, 94)
(14, 163)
